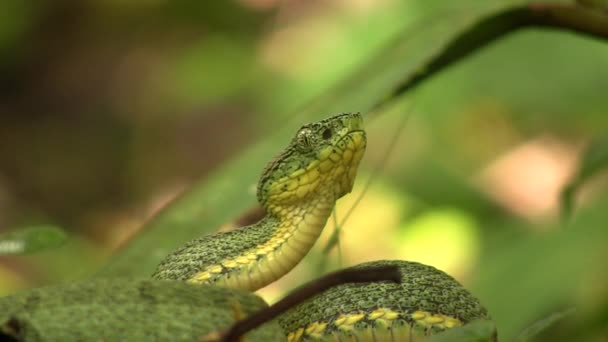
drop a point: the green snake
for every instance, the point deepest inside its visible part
(203, 284)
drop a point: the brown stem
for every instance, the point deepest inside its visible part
(385, 273)
(570, 17)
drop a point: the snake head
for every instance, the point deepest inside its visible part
(321, 160)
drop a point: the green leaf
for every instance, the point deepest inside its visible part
(536, 274)
(31, 239)
(539, 326)
(595, 159)
(477, 331)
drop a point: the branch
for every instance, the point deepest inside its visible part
(385, 273)
(574, 18)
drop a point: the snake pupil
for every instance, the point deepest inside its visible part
(327, 134)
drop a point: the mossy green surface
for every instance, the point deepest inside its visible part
(128, 310)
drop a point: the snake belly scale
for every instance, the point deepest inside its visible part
(298, 190)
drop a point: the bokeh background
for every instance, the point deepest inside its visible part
(111, 109)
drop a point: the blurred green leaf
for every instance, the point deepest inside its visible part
(595, 159)
(538, 274)
(228, 63)
(544, 324)
(31, 239)
(595, 4)
(225, 194)
(477, 331)
(12, 27)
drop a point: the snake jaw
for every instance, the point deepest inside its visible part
(325, 180)
(321, 162)
(351, 157)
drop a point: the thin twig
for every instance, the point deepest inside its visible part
(335, 236)
(563, 17)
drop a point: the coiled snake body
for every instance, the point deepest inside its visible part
(426, 302)
(298, 190)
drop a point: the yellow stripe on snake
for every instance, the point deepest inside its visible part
(201, 289)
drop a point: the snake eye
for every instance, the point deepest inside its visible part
(327, 133)
(304, 140)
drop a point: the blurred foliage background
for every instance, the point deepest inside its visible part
(110, 109)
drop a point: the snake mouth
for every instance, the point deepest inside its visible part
(354, 125)
(355, 136)
(353, 122)
(341, 143)
(353, 131)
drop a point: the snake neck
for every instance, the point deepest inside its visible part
(291, 232)
(298, 228)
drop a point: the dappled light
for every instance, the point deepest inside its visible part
(529, 178)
